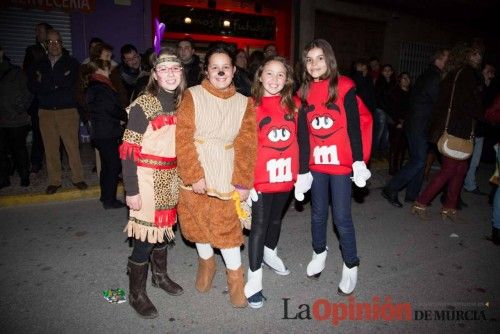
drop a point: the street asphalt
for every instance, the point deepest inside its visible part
(443, 277)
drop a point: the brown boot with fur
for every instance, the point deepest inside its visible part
(137, 298)
(159, 275)
(205, 275)
(235, 285)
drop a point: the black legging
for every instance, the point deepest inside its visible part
(142, 250)
(266, 225)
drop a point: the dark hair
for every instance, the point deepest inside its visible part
(238, 51)
(400, 76)
(438, 54)
(152, 87)
(287, 91)
(189, 40)
(459, 56)
(127, 48)
(96, 51)
(219, 48)
(373, 58)
(267, 46)
(331, 74)
(91, 67)
(393, 76)
(255, 59)
(45, 25)
(95, 40)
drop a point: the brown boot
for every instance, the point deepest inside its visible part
(235, 285)
(159, 276)
(205, 275)
(137, 298)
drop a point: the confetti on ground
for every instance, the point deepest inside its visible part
(114, 296)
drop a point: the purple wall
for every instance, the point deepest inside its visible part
(115, 24)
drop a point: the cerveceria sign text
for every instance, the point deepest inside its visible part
(86, 6)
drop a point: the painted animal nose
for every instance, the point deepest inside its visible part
(221, 73)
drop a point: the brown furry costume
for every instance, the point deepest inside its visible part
(211, 217)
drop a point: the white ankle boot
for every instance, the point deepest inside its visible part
(317, 264)
(253, 288)
(272, 259)
(348, 280)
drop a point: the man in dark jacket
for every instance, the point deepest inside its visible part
(34, 53)
(423, 98)
(129, 71)
(190, 62)
(54, 81)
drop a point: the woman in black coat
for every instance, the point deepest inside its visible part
(106, 117)
(398, 107)
(462, 67)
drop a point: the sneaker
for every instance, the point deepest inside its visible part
(257, 300)
(392, 198)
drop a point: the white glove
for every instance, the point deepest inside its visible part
(302, 185)
(360, 174)
(252, 197)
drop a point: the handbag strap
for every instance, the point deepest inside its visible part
(451, 104)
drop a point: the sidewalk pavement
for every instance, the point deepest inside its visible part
(16, 195)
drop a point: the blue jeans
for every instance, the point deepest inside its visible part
(412, 173)
(470, 179)
(380, 131)
(339, 187)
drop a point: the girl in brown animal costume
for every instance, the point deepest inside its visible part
(216, 149)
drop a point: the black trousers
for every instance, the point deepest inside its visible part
(266, 225)
(142, 250)
(37, 151)
(110, 167)
(13, 142)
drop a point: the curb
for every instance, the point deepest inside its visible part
(91, 192)
(60, 196)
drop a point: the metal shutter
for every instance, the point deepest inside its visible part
(415, 57)
(17, 29)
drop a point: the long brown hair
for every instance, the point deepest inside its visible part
(287, 91)
(152, 87)
(459, 56)
(331, 74)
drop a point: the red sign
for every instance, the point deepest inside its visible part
(85, 6)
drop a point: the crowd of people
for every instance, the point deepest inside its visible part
(200, 141)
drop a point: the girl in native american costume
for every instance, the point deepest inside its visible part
(151, 181)
(216, 148)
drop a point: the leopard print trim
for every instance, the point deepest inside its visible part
(166, 188)
(150, 105)
(132, 137)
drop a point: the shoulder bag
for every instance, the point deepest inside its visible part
(451, 146)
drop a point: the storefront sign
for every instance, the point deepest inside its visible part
(214, 22)
(85, 6)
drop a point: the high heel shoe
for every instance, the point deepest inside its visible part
(420, 211)
(451, 214)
